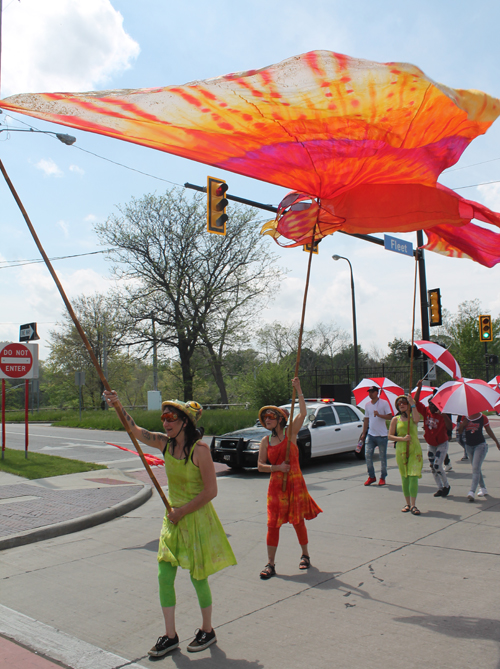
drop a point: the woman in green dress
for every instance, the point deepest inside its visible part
(408, 450)
(192, 536)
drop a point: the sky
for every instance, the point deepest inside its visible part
(81, 45)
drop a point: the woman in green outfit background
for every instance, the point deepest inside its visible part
(192, 536)
(408, 450)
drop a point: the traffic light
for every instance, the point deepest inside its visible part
(485, 331)
(417, 353)
(492, 359)
(307, 247)
(435, 316)
(216, 206)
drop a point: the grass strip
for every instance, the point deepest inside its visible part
(215, 421)
(40, 466)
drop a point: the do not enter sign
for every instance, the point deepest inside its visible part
(18, 361)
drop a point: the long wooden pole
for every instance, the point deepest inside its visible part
(297, 362)
(82, 335)
(412, 352)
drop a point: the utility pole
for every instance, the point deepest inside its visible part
(155, 358)
(105, 358)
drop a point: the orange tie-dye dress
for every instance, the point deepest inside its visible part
(295, 504)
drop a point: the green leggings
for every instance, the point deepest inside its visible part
(410, 486)
(166, 578)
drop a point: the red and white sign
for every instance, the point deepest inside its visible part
(18, 361)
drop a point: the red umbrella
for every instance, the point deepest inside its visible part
(388, 391)
(441, 356)
(426, 393)
(495, 383)
(465, 397)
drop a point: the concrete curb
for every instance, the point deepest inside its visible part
(77, 524)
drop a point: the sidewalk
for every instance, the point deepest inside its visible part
(45, 508)
(14, 656)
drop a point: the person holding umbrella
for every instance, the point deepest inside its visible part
(377, 411)
(468, 398)
(436, 426)
(294, 504)
(403, 430)
(192, 536)
(475, 444)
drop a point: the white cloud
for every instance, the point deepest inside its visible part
(63, 45)
(90, 218)
(77, 170)
(49, 167)
(490, 195)
(64, 227)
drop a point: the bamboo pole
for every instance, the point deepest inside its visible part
(82, 334)
(412, 352)
(297, 362)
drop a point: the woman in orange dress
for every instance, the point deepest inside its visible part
(295, 504)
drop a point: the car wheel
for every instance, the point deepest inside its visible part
(361, 454)
(303, 459)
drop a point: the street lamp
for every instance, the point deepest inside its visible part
(354, 330)
(62, 137)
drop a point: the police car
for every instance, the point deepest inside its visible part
(329, 427)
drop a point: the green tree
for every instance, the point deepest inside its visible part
(270, 385)
(462, 331)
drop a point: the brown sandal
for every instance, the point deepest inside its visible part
(305, 562)
(268, 571)
(406, 508)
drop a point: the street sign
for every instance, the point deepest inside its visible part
(28, 332)
(18, 361)
(79, 378)
(398, 245)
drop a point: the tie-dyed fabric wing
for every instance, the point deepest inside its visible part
(349, 132)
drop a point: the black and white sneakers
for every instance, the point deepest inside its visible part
(163, 646)
(202, 640)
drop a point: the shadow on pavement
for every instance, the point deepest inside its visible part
(459, 627)
(217, 658)
(150, 546)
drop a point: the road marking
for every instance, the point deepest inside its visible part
(24, 498)
(58, 645)
(50, 436)
(115, 462)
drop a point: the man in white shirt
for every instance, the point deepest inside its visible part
(377, 411)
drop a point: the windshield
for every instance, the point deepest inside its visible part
(310, 413)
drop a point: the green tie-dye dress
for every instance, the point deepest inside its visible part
(411, 466)
(198, 541)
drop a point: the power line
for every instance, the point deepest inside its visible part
(132, 169)
(485, 183)
(465, 167)
(114, 162)
(21, 263)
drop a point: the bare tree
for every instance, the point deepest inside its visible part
(199, 289)
(278, 340)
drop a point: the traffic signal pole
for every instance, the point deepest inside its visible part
(424, 313)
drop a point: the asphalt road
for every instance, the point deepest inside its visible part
(77, 444)
(90, 446)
